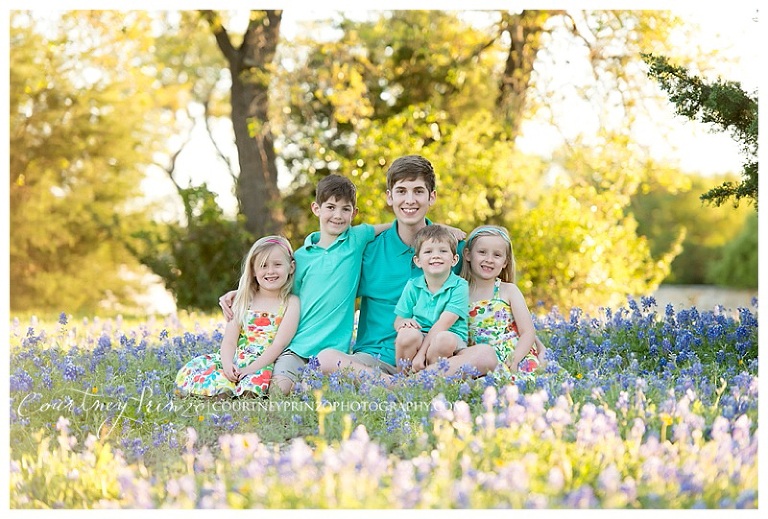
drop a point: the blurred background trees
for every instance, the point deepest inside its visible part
(81, 126)
(599, 219)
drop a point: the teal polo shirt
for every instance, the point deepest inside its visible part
(326, 282)
(417, 302)
(387, 267)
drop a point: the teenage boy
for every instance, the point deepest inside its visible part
(387, 267)
(326, 279)
(432, 312)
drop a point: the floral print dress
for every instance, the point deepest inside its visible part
(203, 375)
(491, 322)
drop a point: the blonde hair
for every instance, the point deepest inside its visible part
(507, 273)
(248, 286)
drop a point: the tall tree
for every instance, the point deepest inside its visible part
(250, 66)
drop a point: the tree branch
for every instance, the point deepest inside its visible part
(222, 38)
(206, 115)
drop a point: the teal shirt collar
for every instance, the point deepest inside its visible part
(313, 238)
(452, 281)
(394, 238)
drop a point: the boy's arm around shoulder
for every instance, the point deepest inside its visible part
(381, 227)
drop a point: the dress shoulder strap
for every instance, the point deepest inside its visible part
(281, 310)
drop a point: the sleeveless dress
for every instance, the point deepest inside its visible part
(491, 322)
(203, 375)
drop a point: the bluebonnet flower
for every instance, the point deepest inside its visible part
(21, 381)
(71, 372)
(648, 302)
(63, 318)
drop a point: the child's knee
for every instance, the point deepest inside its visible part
(329, 360)
(443, 345)
(408, 339)
(284, 384)
(409, 336)
(486, 359)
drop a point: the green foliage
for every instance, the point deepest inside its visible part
(664, 212)
(576, 248)
(738, 266)
(77, 144)
(723, 104)
(200, 259)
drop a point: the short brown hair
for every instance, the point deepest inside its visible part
(435, 232)
(411, 167)
(336, 186)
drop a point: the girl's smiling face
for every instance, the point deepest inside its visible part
(488, 256)
(272, 275)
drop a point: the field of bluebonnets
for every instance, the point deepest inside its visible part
(638, 408)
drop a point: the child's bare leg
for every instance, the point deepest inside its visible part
(407, 345)
(443, 345)
(540, 351)
(333, 360)
(482, 357)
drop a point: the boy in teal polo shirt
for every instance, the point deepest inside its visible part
(432, 312)
(326, 279)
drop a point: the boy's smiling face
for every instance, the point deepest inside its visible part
(435, 258)
(335, 215)
(410, 200)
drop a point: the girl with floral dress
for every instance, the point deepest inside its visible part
(266, 317)
(498, 315)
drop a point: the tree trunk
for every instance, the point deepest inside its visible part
(251, 68)
(524, 31)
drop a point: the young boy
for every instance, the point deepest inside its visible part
(326, 279)
(432, 312)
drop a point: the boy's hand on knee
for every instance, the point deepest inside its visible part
(419, 362)
(409, 323)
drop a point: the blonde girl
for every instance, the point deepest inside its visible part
(498, 315)
(266, 317)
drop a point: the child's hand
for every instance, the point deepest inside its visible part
(419, 362)
(457, 233)
(225, 302)
(250, 369)
(230, 372)
(508, 363)
(409, 323)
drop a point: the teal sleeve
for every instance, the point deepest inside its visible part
(404, 307)
(363, 234)
(459, 302)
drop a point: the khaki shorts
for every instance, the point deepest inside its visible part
(368, 360)
(288, 365)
